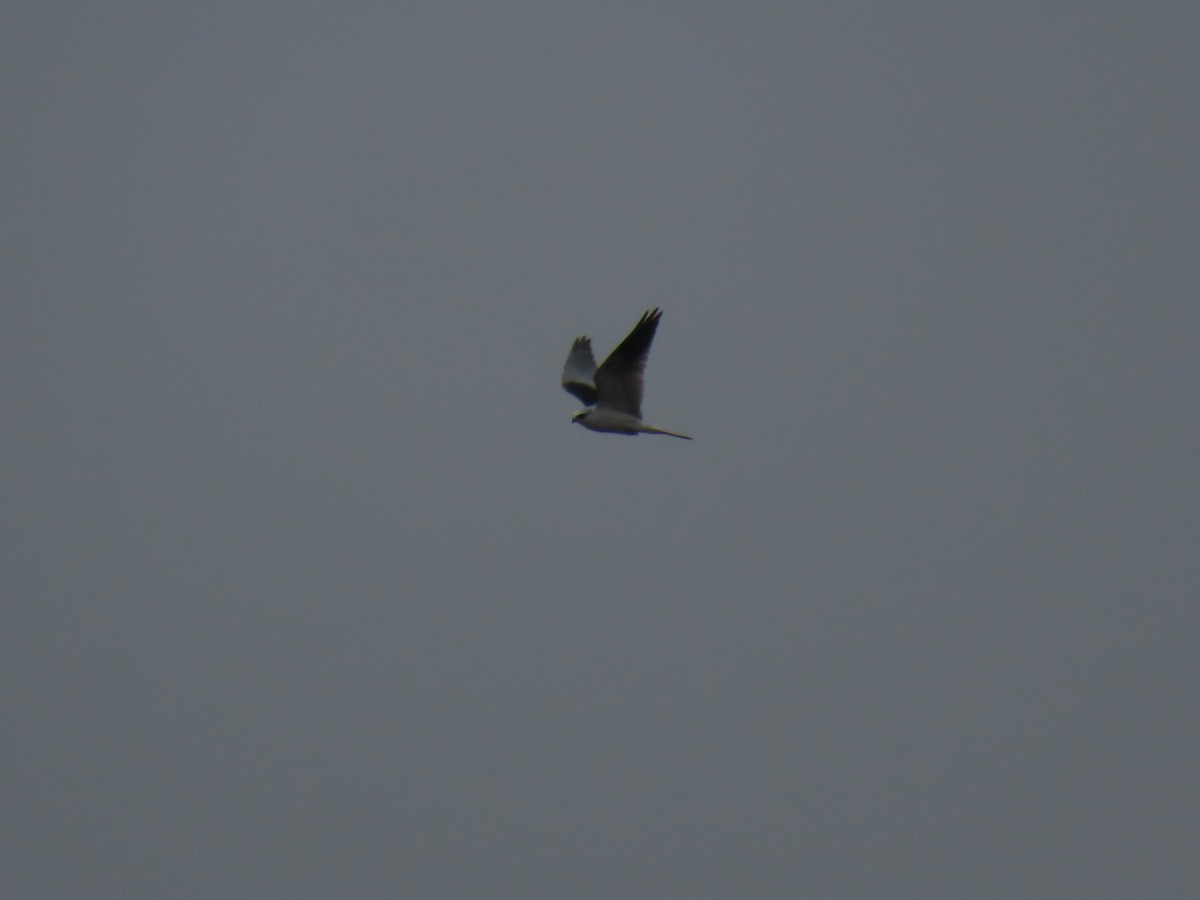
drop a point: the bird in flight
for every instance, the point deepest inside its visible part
(612, 393)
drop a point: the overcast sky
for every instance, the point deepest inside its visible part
(312, 589)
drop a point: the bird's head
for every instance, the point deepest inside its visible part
(582, 415)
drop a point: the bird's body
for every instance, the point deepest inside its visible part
(618, 423)
(613, 392)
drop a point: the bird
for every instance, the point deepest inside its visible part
(612, 394)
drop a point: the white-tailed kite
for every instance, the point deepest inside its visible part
(613, 392)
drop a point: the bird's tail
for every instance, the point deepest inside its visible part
(654, 430)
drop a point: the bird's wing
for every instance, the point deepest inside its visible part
(619, 379)
(579, 372)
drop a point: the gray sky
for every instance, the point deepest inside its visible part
(312, 589)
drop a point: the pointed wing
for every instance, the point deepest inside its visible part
(619, 379)
(579, 372)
